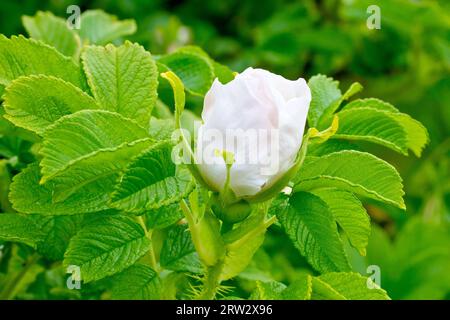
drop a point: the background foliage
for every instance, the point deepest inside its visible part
(406, 63)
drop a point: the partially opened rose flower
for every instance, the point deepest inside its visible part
(259, 118)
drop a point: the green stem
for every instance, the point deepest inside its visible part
(151, 252)
(10, 289)
(211, 282)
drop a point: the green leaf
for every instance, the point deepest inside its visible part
(178, 251)
(35, 102)
(19, 228)
(98, 27)
(415, 135)
(327, 116)
(20, 56)
(164, 216)
(346, 286)
(330, 146)
(161, 129)
(57, 230)
(194, 70)
(106, 246)
(152, 180)
(81, 135)
(53, 31)
(358, 172)
(27, 195)
(222, 72)
(138, 282)
(349, 214)
(324, 91)
(300, 289)
(310, 224)
(122, 79)
(271, 290)
(374, 126)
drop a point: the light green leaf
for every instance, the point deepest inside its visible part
(346, 286)
(81, 135)
(19, 228)
(327, 116)
(27, 195)
(415, 134)
(152, 180)
(57, 231)
(309, 223)
(271, 290)
(178, 251)
(374, 126)
(161, 129)
(300, 289)
(164, 216)
(20, 56)
(330, 146)
(122, 79)
(98, 27)
(138, 282)
(349, 214)
(53, 31)
(195, 70)
(106, 246)
(35, 102)
(324, 91)
(358, 172)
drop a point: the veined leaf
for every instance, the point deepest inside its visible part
(324, 91)
(300, 289)
(35, 102)
(27, 195)
(106, 246)
(271, 290)
(20, 56)
(57, 231)
(98, 172)
(81, 135)
(122, 79)
(194, 70)
(138, 282)
(310, 224)
(349, 214)
(164, 216)
(53, 31)
(330, 146)
(161, 129)
(374, 126)
(98, 27)
(358, 172)
(19, 228)
(346, 286)
(328, 113)
(178, 251)
(415, 134)
(152, 180)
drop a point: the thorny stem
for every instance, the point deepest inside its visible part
(211, 281)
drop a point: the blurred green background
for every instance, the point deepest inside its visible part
(406, 63)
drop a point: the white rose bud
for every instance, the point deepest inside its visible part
(260, 118)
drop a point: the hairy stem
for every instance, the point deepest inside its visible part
(211, 282)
